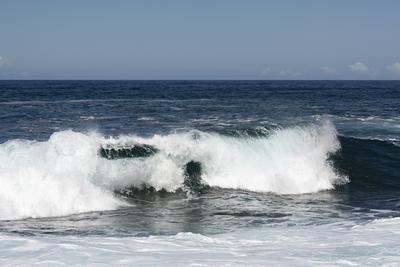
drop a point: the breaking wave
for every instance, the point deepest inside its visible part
(67, 174)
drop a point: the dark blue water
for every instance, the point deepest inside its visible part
(366, 115)
(35, 109)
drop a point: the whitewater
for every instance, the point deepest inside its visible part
(65, 175)
(323, 245)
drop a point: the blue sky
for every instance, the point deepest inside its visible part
(204, 39)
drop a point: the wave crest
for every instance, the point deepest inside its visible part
(67, 174)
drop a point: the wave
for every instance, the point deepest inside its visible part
(372, 164)
(67, 174)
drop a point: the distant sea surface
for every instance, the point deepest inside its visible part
(200, 173)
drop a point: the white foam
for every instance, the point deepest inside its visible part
(371, 244)
(52, 178)
(65, 174)
(289, 161)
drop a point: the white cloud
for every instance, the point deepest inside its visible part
(284, 72)
(328, 70)
(395, 67)
(3, 61)
(266, 71)
(359, 67)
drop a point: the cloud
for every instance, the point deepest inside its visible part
(3, 61)
(395, 67)
(359, 67)
(284, 72)
(328, 70)
(266, 71)
(277, 73)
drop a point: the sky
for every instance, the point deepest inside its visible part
(203, 39)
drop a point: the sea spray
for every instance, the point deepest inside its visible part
(67, 174)
(53, 178)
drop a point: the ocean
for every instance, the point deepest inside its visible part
(200, 173)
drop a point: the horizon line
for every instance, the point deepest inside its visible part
(256, 80)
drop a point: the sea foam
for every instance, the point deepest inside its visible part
(66, 175)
